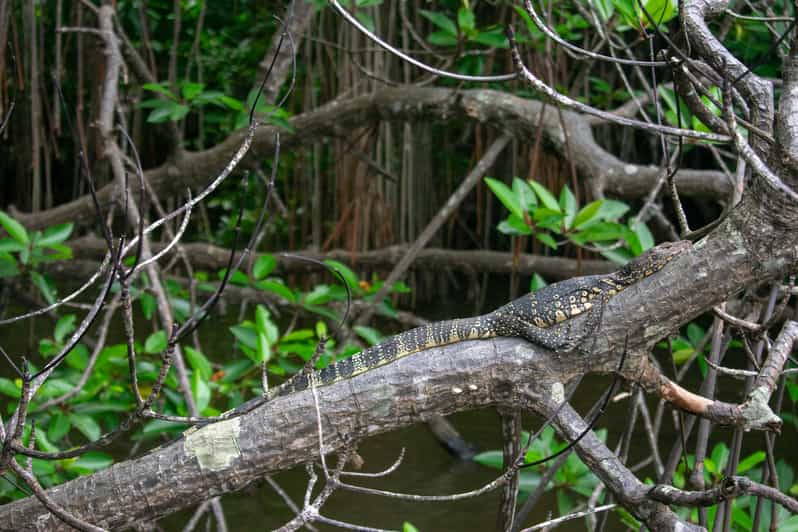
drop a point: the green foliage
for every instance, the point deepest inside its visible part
(743, 508)
(451, 32)
(22, 253)
(535, 211)
(573, 481)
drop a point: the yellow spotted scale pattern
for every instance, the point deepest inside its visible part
(541, 318)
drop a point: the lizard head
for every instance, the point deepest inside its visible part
(651, 261)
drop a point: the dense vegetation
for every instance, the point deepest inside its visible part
(356, 151)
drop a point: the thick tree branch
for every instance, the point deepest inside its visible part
(510, 113)
(503, 372)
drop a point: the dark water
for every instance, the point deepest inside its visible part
(426, 469)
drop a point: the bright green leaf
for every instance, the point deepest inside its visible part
(546, 239)
(86, 425)
(93, 461)
(264, 266)
(14, 229)
(750, 461)
(587, 215)
(440, 20)
(147, 302)
(264, 348)
(198, 362)
(155, 343)
(369, 334)
(526, 196)
(278, 288)
(9, 388)
(55, 234)
(349, 276)
(63, 327)
(190, 90)
(246, 335)
(545, 196)
(200, 391)
(465, 19)
(536, 283)
(160, 89)
(58, 427)
(568, 205)
(45, 287)
(507, 197)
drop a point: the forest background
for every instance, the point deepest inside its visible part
(412, 196)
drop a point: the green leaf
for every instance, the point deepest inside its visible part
(536, 283)
(160, 89)
(43, 442)
(750, 461)
(264, 348)
(661, 11)
(695, 333)
(92, 461)
(440, 20)
(440, 38)
(63, 327)
(45, 287)
(465, 19)
(318, 296)
(265, 325)
(264, 266)
(8, 265)
(526, 196)
(178, 112)
(644, 236)
(55, 234)
(190, 90)
(494, 38)
(198, 362)
(349, 276)
(200, 390)
(14, 229)
(321, 329)
(237, 277)
(147, 302)
(278, 288)
(546, 239)
(587, 215)
(155, 343)
(162, 114)
(514, 225)
(408, 527)
(246, 335)
(86, 425)
(9, 388)
(612, 209)
(298, 334)
(568, 205)
(58, 427)
(618, 256)
(509, 199)
(602, 232)
(492, 459)
(720, 456)
(788, 525)
(231, 103)
(369, 334)
(545, 196)
(9, 244)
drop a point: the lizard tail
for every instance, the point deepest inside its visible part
(403, 344)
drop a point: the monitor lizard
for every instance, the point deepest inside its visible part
(541, 318)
